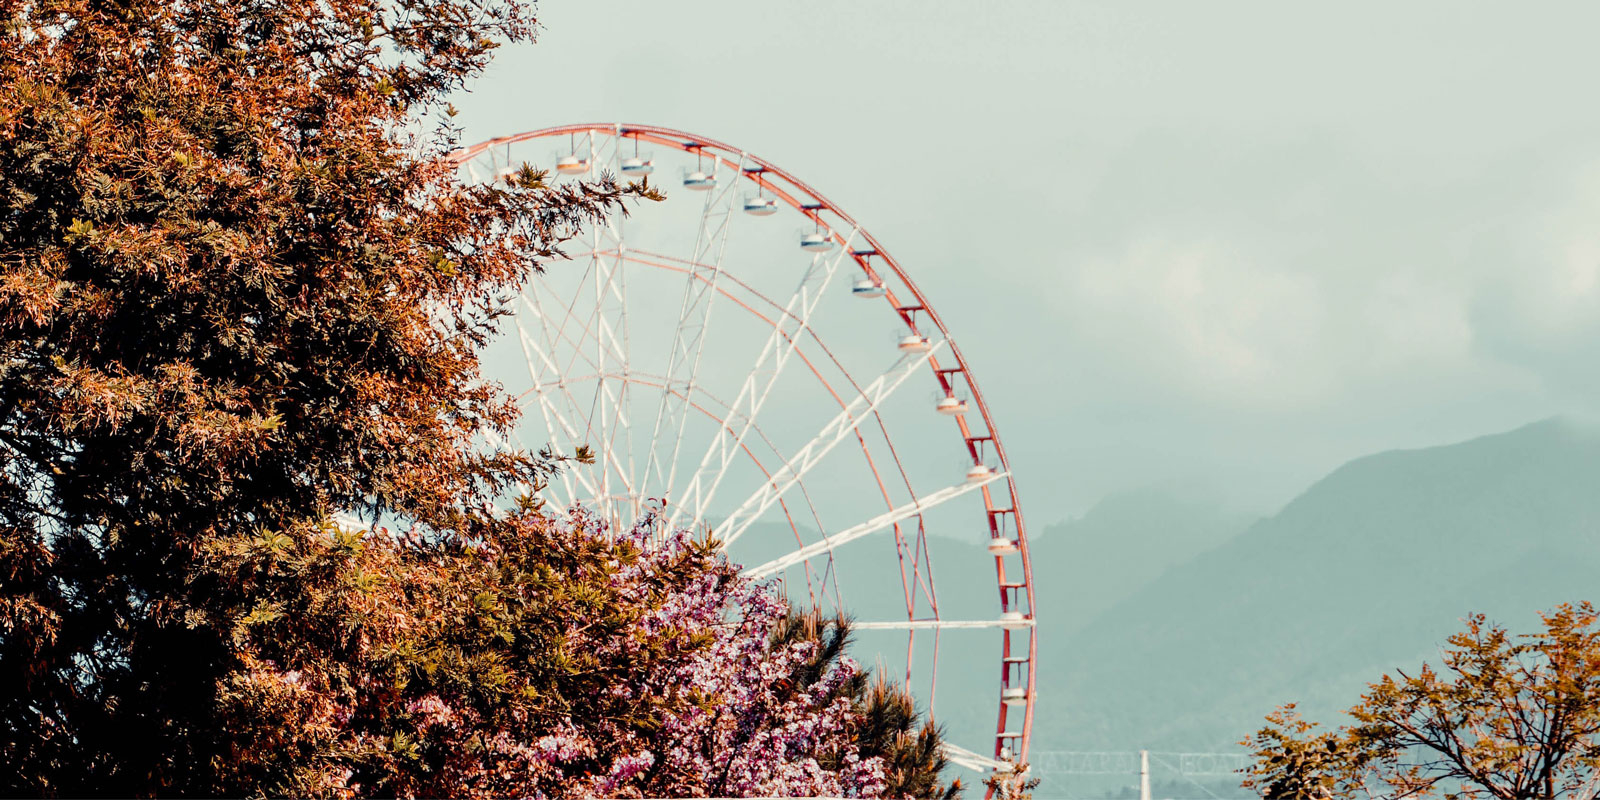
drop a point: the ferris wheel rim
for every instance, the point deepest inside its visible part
(720, 152)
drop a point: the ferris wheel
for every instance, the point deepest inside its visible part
(747, 355)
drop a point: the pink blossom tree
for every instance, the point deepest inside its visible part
(553, 659)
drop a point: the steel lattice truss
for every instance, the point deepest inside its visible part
(1194, 765)
(724, 373)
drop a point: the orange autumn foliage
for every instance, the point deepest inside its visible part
(1509, 717)
(240, 289)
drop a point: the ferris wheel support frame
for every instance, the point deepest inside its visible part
(1004, 521)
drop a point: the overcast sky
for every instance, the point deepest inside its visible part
(1222, 247)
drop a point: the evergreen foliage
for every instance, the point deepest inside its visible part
(242, 291)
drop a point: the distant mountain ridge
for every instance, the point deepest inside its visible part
(1368, 570)
(1085, 566)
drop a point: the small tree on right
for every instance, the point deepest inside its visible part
(1506, 717)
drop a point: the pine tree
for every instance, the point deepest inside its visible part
(890, 727)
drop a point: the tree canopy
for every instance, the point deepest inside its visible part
(1511, 717)
(241, 291)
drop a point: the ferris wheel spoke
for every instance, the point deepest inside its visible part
(553, 344)
(554, 340)
(611, 346)
(553, 416)
(606, 409)
(809, 455)
(878, 523)
(535, 353)
(781, 344)
(691, 333)
(621, 399)
(555, 331)
(966, 758)
(557, 423)
(528, 351)
(579, 339)
(615, 391)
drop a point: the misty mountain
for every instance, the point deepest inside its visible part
(1080, 567)
(1367, 571)
(1087, 565)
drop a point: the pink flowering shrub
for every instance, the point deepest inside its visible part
(545, 660)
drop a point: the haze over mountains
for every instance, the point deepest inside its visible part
(1369, 570)
(1126, 541)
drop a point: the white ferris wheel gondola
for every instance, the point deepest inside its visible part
(913, 342)
(571, 165)
(761, 206)
(699, 181)
(636, 167)
(951, 406)
(1001, 546)
(817, 242)
(867, 287)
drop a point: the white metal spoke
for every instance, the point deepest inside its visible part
(578, 473)
(613, 386)
(961, 756)
(614, 228)
(532, 351)
(690, 335)
(602, 355)
(873, 525)
(836, 431)
(611, 353)
(528, 351)
(758, 384)
(530, 300)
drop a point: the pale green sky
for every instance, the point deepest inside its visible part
(1224, 246)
